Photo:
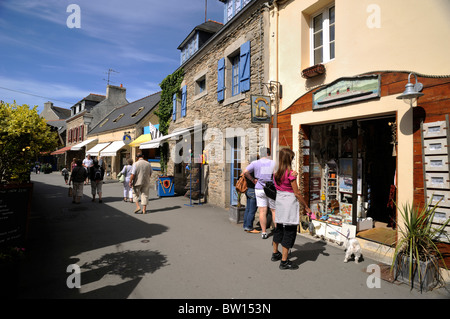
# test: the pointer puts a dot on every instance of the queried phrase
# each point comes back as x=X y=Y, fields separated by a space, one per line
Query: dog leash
x=348 y=231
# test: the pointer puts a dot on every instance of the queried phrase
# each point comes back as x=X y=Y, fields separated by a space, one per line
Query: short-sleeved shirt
x=262 y=169
x=285 y=182
x=88 y=162
x=142 y=170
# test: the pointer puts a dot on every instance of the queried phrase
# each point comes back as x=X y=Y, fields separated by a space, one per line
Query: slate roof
x=59 y=124
x=122 y=116
x=61 y=112
x=209 y=26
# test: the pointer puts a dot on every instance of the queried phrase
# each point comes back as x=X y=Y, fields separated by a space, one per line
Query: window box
x=313 y=71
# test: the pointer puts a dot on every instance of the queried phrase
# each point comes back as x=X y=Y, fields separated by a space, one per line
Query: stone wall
x=233 y=112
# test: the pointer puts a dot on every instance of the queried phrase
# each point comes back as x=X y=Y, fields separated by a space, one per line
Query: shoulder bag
x=241 y=184
x=270 y=190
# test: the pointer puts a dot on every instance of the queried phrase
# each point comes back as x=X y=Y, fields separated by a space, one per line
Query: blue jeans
x=250 y=209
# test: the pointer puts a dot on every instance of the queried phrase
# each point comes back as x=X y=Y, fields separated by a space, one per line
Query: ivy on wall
x=169 y=86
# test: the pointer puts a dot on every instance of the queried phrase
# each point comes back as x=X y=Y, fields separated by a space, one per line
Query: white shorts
x=262 y=200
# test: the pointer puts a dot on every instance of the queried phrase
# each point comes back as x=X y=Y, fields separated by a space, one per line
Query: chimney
x=116 y=94
x=48 y=105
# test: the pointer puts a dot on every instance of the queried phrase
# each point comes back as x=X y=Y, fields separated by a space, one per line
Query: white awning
x=80 y=145
x=97 y=148
x=112 y=149
x=157 y=142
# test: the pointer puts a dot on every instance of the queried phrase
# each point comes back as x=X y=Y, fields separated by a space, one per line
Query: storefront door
x=352 y=171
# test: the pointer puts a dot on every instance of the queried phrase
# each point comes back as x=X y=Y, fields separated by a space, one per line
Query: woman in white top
x=127 y=190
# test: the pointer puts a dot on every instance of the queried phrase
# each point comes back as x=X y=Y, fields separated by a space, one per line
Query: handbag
x=121 y=177
x=270 y=190
x=241 y=184
x=70 y=191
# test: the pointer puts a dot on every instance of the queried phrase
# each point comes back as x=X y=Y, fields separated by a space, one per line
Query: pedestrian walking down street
x=127 y=189
x=287 y=206
x=87 y=163
x=140 y=181
x=78 y=177
x=263 y=171
x=96 y=174
x=73 y=164
x=65 y=174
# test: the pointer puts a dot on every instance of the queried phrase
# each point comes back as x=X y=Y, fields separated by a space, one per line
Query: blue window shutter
x=221 y=80
x=183 y=101
x=244 y=67
x=174 y=103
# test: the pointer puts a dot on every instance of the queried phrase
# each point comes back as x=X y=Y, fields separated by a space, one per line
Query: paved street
x=175 y=251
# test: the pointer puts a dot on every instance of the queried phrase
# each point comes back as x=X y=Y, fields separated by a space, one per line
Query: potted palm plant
x=416 y=255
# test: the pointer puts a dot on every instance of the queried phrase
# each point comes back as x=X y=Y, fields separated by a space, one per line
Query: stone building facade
x=227 y=137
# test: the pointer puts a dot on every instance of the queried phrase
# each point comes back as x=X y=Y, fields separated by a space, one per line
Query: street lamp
x=412 y=91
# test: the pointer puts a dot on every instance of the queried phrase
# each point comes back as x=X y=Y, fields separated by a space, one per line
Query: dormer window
x=189 y=48
x=232 y=7
x=197 y=38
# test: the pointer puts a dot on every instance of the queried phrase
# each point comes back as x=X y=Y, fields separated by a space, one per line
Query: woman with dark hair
x=287 y=207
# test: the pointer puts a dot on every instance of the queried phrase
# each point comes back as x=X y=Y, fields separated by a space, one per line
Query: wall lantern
x=412 y=91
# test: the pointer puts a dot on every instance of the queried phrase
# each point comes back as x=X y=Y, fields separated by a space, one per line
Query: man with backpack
x=96 y=173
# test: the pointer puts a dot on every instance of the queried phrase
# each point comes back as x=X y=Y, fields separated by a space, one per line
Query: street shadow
x=309 y=251
x=130 y=266
x=165 y=209
x=127 y=264
x=59 y=231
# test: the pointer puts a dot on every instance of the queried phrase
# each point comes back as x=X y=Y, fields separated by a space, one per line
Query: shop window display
x=332 y=175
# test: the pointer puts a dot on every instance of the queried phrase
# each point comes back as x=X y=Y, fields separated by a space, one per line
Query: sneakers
x=276 y=256
x=264 y=236
x=287 y=265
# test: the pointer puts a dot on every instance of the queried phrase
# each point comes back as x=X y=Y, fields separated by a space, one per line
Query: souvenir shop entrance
x=352 y=176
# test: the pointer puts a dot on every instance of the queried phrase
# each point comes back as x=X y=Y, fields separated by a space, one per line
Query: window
x=137 y=112
x=233 y=72
x=179 y=101
x=323 y=36
x=200 y=85
x=229 y=8
x=235 y=75
x=104 y=122
x=232 y=8
x=190 y=48
x=81 y=133
x=118 y=118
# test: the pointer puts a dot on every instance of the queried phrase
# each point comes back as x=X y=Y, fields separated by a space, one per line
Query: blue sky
x=40 y=55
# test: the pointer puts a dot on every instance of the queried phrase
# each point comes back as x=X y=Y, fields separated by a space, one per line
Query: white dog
x=352 y=247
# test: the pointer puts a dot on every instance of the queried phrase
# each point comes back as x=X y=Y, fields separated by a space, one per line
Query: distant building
x=53 y=113
x=86 y=113
x=131 y=119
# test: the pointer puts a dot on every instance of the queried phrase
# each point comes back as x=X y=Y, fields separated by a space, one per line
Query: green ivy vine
x=169 y=86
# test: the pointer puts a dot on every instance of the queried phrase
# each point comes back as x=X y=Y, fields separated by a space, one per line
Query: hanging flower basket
x=313 y=71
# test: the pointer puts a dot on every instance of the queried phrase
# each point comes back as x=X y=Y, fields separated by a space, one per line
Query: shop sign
x=347 y=90
x=126 y=138
x=260 y=109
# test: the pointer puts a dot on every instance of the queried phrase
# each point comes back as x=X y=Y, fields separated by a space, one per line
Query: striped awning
x=141 y=139
x=61 y=150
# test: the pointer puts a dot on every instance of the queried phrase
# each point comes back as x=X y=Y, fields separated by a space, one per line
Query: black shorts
x=285 y=235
